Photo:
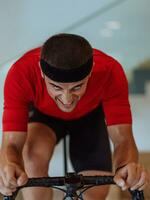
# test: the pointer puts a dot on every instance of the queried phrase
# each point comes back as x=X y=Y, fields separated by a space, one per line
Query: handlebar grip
x=7 y=198
x=137 y=195
x=98 y=180
x=45 y=182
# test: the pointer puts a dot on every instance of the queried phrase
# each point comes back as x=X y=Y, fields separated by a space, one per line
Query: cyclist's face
x=66 y=95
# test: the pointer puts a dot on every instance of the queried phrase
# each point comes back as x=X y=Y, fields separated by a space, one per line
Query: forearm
x=130 y=174
x=12 y=146
x=125 y=150
x=11 y=154
x=12 y=173
x=124 y=153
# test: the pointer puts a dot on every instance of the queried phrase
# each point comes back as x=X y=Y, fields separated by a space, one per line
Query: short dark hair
x=66 y=51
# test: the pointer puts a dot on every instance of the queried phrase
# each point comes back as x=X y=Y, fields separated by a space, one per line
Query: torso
x=33 y=89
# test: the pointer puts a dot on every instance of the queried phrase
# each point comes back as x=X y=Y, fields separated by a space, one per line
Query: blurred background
x=120 y=28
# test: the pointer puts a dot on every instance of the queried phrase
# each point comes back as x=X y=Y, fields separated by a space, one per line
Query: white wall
x=27 y=23
x=141 y=119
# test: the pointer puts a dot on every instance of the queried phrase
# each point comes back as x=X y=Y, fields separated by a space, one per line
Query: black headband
x=66 y=75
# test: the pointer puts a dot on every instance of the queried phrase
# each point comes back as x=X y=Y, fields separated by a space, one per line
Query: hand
x=11 y=176
x=133 y=176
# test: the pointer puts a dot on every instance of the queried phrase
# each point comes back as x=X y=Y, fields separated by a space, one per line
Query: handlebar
x=74 y=182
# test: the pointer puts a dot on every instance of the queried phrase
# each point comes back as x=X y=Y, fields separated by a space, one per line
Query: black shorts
x=89 y=145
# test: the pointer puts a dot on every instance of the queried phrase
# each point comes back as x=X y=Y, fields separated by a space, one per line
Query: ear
x=42 y=74
x=41 y=71
x=91 y=69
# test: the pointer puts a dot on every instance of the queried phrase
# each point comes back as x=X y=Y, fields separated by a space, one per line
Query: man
x=66 y=87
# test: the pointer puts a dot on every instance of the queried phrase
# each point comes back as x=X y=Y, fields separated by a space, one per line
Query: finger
x=125 y=176
x=118 y=179
x=133 y=175
x=141 y=183
x=120 y=183
x=1 y=183
x=22 y=177
x=8 y=177
x=142 y=187
x=134 y=172
x=6 y=191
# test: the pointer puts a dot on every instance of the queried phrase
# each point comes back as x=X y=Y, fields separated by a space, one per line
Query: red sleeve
x=115 y=98
x=17 y=96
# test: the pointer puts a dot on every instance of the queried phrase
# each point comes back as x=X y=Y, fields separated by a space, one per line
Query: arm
x=130 y=173
x=18 y=94
x=123 y=141
x=11 y=162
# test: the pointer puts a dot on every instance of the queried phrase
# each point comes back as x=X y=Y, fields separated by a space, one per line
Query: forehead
x=71 y=84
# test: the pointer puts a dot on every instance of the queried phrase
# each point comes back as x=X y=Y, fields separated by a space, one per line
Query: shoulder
x=103 y=59
x=32 y=53
x=25 y=71
x=27 y=63
x=31 y=56
x=105 y=63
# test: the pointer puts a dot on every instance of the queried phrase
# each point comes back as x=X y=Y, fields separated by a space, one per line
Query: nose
x=67 y=98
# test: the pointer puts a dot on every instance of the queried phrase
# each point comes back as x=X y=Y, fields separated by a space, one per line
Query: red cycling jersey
x=24 y=85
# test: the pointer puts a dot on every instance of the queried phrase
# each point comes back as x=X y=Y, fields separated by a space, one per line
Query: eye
x=76 y=88
x=56 y=88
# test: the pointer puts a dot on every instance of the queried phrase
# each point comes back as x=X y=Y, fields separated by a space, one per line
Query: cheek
x=81 y=92
x=52 y=93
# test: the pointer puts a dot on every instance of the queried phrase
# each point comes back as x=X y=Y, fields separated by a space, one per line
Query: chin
x=66 y=109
